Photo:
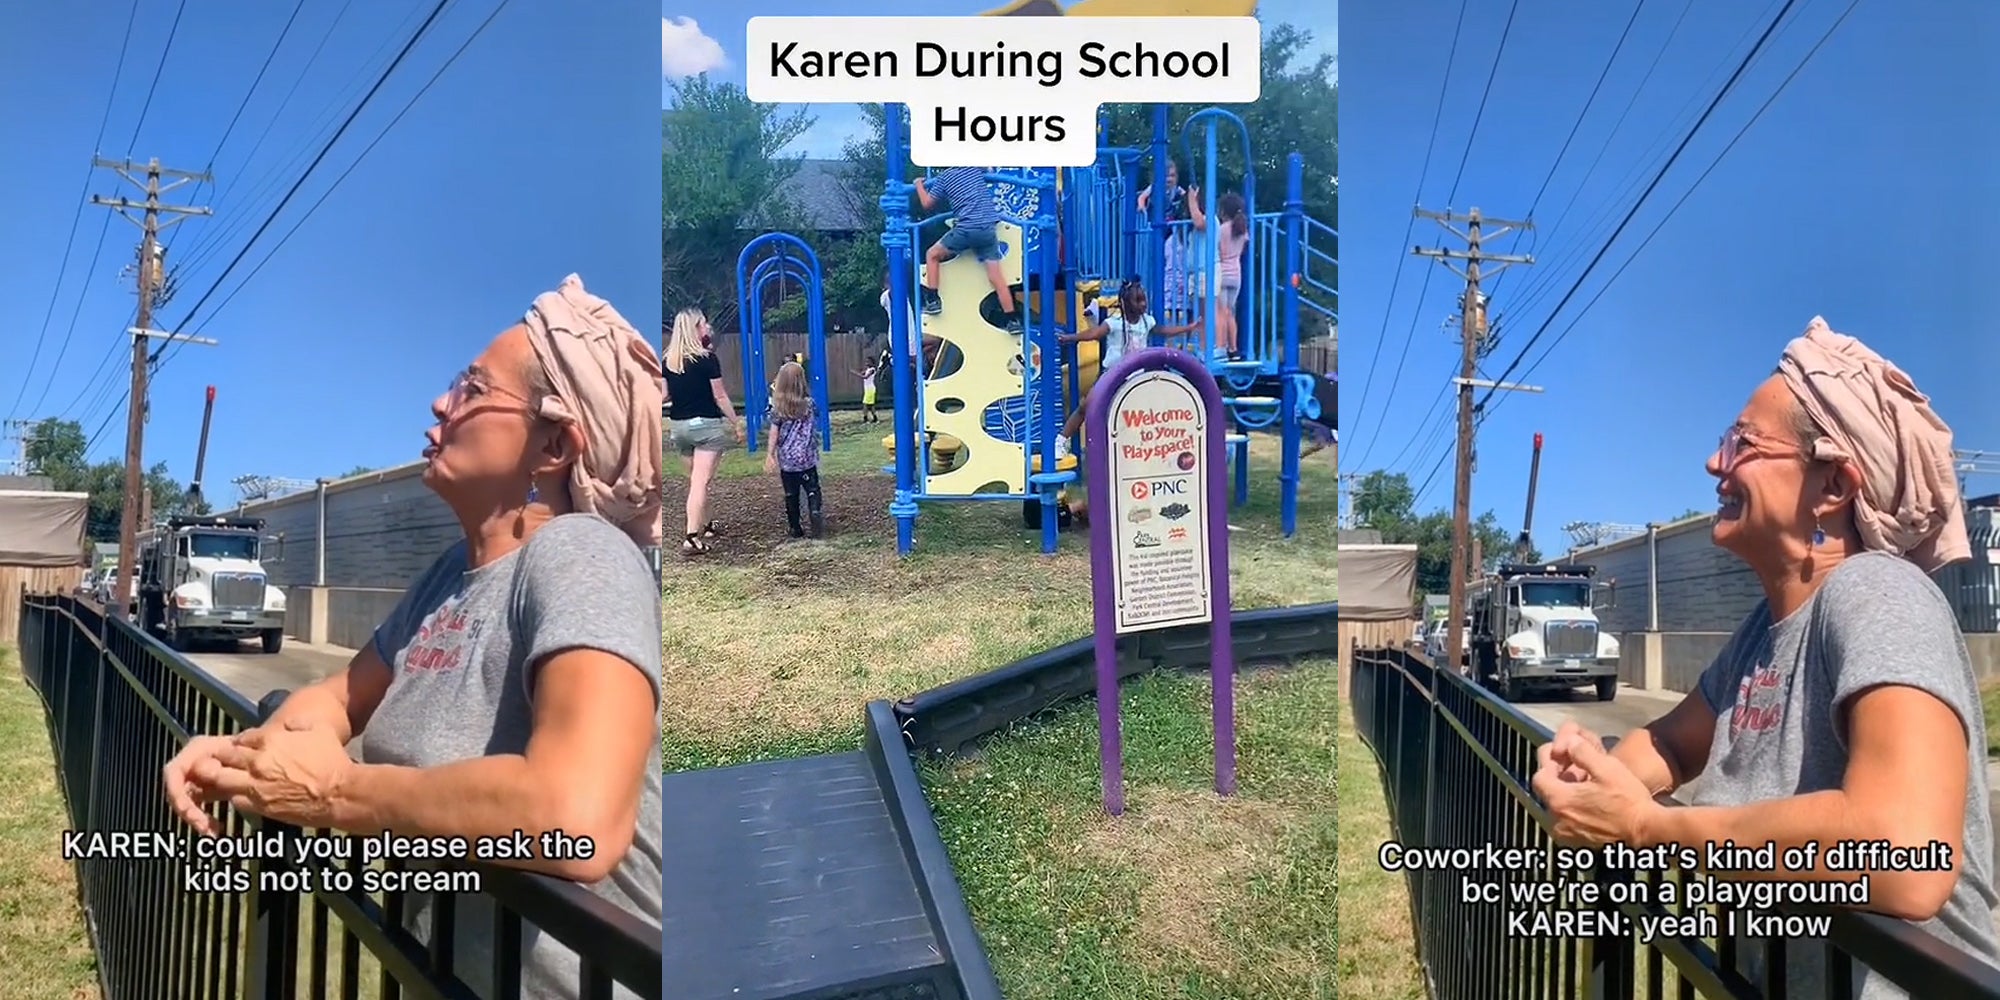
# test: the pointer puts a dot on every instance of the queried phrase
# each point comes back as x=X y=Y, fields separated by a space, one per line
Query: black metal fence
x=1456 y=764
x=120 y=705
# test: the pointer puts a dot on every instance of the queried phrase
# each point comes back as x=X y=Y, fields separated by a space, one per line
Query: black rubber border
x=947 y=719
x=937 y=883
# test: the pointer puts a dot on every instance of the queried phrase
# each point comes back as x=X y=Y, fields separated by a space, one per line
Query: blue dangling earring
x=1819 y=535
x=534 y=493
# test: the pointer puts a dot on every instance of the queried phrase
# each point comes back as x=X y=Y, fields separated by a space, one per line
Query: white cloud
x=685 y=51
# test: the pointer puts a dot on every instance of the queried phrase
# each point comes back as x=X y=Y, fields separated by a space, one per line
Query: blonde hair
x=788 y=397
x=684 y=342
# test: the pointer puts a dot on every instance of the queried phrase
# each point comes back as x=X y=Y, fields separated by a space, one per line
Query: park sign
x=1159 y=546
x=1159 y=481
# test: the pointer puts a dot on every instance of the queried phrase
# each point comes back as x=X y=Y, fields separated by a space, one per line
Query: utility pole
x=152 y=281
x=1472 y=335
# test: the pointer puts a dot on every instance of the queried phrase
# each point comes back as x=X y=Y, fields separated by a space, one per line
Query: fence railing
x=1456 y=765
x=120 y=705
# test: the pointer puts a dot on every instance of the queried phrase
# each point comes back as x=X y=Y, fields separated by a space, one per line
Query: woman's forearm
x=487 y=797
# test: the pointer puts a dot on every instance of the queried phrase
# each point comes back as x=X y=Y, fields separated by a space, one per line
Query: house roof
x=820 y=191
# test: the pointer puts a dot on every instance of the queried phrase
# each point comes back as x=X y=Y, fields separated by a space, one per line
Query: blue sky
x=527 y=161
x=1856 y=196
x=713 y=42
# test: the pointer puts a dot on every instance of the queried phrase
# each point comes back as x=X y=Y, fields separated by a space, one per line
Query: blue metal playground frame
x=1087 y=228
x=790 y=260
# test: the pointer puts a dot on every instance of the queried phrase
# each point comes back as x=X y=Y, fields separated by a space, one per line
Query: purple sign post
x=1159 y=533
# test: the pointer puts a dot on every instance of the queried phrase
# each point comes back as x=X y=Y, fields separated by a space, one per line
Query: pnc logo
x=1169 y=487
x=1140 y=492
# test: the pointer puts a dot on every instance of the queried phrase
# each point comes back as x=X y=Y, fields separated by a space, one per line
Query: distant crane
x=250 y=489
x=1975 y=463
x=1584 y=534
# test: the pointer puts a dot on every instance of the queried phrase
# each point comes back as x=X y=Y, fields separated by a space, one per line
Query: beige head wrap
x=608 y=383
x=1872 y=415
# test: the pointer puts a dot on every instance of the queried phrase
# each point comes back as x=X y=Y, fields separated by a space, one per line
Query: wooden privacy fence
x=844 y=352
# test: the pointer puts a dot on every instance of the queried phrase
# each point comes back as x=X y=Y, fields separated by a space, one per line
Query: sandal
x=694 y=545
x=712 y=530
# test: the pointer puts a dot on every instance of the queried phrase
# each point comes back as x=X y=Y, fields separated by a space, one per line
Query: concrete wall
x=381 y=530
x=339 y=616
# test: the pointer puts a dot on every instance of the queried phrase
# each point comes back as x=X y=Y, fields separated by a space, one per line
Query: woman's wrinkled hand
x=290 y=774
x=184 y=796
x=1593 y=797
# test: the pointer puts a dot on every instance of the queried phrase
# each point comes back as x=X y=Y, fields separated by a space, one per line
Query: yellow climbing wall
x=956 y=404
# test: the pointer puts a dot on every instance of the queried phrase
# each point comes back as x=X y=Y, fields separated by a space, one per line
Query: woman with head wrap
x=1844 y=708
x=515 y=687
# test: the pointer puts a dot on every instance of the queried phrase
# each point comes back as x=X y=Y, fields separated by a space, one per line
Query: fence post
x=273 y=948
x=1612 y=965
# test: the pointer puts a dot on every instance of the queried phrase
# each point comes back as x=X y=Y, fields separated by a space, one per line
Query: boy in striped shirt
x=964 y=190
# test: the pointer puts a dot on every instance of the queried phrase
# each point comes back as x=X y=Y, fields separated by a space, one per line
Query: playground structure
x=1069 y=236
x=790 y=260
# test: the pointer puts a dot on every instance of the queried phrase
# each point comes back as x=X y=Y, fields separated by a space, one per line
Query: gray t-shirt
x=1778 y=691
x=460 y=644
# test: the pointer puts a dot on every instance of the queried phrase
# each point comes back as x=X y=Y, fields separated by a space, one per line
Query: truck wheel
x=1607 y=688
x=274 y=640
x=1511 y=688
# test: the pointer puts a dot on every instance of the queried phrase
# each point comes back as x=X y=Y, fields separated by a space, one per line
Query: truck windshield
x=220 y=546
x=1551 y=595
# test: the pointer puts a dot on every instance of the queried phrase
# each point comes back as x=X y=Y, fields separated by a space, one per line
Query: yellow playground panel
x=965 y=459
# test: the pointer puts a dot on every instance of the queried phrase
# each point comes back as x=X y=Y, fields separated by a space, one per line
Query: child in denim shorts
x=974 y=228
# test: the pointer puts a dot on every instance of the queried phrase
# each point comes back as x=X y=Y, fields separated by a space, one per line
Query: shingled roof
x=820 y=190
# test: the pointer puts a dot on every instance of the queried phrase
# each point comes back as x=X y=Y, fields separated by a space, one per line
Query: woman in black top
x=700 y=419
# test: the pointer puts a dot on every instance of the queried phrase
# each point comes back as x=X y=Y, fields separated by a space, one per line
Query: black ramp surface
x=785 y=879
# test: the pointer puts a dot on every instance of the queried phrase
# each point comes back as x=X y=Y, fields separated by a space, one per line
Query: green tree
x=1385 y=502
x=57 y=450
x=359 y=470
x=723 y=177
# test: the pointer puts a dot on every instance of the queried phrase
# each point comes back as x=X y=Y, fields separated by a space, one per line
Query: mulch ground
x=752 y=513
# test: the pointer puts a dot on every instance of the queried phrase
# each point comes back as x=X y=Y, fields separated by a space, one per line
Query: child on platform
x=794 y=449
x=1127 y=329
x=1230 y=240
x=975 y=228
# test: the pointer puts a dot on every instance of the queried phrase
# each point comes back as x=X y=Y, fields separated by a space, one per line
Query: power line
x=252 y=92
x=1543 y=284
x=159 y=69
x=1382 y=335
x=1657 y=178
x=324 y=195
x=62 y=270
x=324 y=150
x=267 y=181
x=1740 y=133
x=1577 y=125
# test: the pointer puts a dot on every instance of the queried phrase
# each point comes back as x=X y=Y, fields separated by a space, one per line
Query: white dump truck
x=202 y=578
x=1534 y=627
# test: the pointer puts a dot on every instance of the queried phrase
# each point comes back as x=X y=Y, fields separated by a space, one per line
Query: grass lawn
x=1989 y=699
x=773 y=653
x=1378 y=954
x=44 y=951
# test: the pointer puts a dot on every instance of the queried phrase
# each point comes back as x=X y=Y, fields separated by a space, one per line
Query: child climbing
x=1230 y=239
x=794 y=449
x=867 y=376
x=1127 y=329
x=1174 y=210
x=975 y=228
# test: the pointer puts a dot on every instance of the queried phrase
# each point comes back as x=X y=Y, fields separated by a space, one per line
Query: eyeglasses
x=469 y=387
x=1737 y=446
